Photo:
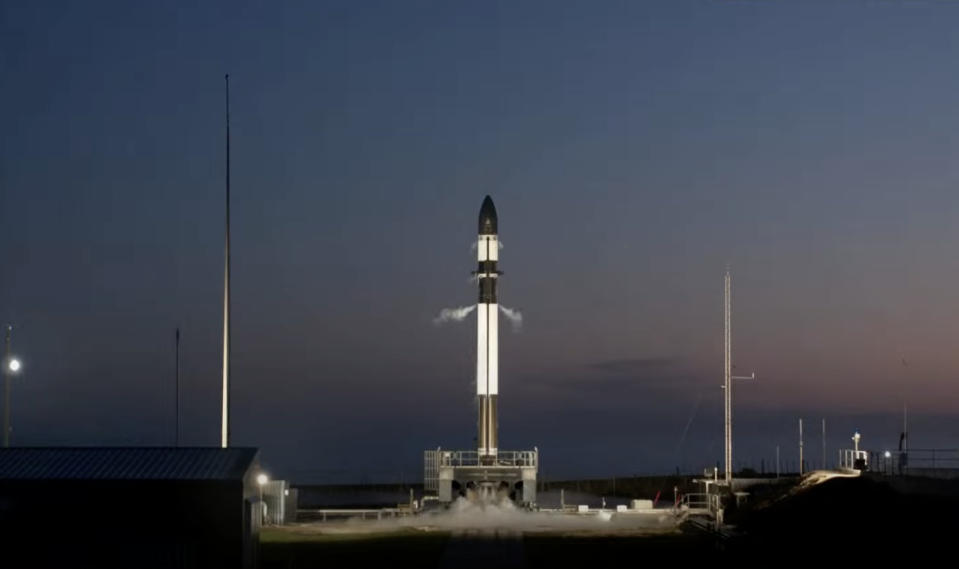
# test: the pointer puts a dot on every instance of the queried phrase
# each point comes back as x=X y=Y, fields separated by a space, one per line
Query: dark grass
x=282 y=549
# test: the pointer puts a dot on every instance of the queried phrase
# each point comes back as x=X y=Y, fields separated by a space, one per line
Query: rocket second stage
x=487 y=330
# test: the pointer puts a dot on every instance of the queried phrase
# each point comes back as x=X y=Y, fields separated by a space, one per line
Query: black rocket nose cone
x=487 y=217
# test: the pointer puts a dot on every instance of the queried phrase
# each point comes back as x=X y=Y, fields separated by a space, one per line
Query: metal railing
x=697 y=501
x=701 y=502
x=521 y=458
x=906 y=462
x=900 y=462
x=325 y=514
x=853 y=459
x=431 y=471
x=433 y=460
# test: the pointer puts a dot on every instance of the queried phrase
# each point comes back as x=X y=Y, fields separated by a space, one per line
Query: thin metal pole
x=225 y=412
x=777 y=461
x=905 y=427
x=6 y=388
x=177 y=394
x=905 y=414
x=727 y=379
x=800 y=446
x=824 y=443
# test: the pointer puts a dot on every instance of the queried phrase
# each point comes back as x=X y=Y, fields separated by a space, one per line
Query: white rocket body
x=487 y=333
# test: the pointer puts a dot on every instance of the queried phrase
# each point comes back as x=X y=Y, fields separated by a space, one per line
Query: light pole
x=11 y=365
x=261 y=480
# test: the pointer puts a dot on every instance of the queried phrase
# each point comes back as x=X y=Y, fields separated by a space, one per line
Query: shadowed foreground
x=282 y=549
x=868 y=519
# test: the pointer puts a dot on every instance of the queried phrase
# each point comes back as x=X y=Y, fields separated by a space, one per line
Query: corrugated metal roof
x=125 y=463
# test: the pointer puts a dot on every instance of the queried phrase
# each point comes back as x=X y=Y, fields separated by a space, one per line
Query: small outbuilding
x=129 y=507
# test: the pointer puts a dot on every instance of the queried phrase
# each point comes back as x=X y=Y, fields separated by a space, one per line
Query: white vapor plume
x=453 y=314
x=514 y=316
x=490 y=519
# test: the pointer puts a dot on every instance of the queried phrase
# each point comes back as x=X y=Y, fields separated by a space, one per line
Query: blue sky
x=632 y=149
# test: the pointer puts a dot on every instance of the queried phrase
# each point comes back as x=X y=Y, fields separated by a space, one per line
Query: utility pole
x=777 y=461
x=728 y=377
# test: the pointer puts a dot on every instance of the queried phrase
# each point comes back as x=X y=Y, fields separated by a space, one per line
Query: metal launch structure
x=486 y=473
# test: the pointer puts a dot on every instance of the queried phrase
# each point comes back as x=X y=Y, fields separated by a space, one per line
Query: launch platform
x=452 y=474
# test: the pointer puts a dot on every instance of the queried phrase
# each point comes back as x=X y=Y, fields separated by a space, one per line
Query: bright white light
x=262 y=479
x=14 y=365
x=888 y=454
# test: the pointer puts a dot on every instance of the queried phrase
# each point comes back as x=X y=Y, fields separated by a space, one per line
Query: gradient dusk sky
x=633 y=149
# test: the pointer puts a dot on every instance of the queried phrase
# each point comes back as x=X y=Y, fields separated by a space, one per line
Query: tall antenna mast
x=176 y=406
x=904 y=437
x=225 y=426
x=728 y=376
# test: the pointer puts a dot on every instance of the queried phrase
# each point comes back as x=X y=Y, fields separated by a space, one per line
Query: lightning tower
x=728 y=378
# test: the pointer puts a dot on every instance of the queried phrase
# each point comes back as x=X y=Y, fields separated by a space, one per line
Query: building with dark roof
x=131 y=507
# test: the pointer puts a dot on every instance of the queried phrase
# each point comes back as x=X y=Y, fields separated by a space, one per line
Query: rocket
x=487 y=329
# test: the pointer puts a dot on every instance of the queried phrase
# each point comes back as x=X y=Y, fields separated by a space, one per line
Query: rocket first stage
x=487 y=329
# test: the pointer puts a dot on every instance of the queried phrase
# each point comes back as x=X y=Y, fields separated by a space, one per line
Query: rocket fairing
x=487 y=329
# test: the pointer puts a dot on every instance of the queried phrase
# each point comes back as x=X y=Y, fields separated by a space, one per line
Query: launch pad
x=452 y=474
